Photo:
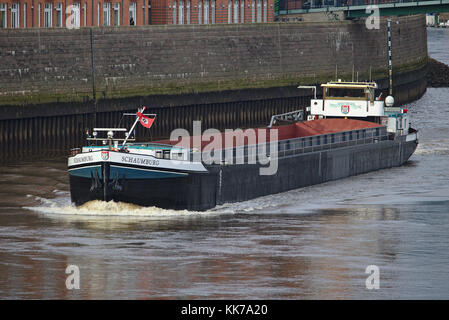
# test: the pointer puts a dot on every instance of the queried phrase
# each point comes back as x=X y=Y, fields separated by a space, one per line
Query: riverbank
x=58 y=65
x=437 y=74
x=227 y=76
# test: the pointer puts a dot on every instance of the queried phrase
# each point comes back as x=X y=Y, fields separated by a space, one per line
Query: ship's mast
x=390 y=58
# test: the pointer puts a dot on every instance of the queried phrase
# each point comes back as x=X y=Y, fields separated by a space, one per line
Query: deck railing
x=290 y=147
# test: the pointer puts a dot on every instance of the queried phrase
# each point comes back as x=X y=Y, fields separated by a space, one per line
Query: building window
x=242 y=11
x=213 y=11
x=206 y=11
x=253 y=11
x=106 y=14
x=15 y=22
x=38 y=15
x=149 y=11
x=47 y=15
x=265 y=11
x=174 y=12
x=181 y=12
x=199 y=12
x=188 y=12
x=259 y=10
x=75 y=15
x=230 y=11
x=3 y=19
x=116 y=14
x=24 y=15
x=59 y=14
x=84 y=15
x=98 y=14
x=236 y=11
x=132 y=13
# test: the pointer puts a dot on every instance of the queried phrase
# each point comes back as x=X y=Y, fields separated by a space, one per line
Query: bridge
x=361 y=8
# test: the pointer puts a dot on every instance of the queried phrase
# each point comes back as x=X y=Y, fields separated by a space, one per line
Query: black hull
x=192 y=192
x=233 y=183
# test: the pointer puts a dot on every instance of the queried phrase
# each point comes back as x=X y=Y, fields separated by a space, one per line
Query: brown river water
x=310 y=243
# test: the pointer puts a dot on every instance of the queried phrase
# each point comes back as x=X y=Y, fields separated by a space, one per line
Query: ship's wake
x=61 y=205
x=434 y=147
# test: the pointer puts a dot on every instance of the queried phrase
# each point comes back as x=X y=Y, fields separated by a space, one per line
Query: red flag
x=144 y=120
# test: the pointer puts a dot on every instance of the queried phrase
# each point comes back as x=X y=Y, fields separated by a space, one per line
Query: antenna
x=390 y=63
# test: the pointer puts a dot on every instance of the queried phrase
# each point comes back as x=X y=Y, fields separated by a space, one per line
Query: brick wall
x=43 y=65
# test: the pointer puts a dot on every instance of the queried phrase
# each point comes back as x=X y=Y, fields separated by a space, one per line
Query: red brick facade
x=86 y=13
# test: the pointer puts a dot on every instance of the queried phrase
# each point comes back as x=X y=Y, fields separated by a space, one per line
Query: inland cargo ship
x=349 y=131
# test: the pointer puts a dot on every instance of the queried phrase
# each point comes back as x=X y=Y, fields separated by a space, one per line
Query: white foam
x=63 y=207
x=438 y=147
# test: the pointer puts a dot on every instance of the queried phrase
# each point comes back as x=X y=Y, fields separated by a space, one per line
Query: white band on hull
x=134 y=159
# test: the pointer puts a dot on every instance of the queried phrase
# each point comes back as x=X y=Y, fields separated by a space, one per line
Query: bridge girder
x=399 y=11
x=385 y=9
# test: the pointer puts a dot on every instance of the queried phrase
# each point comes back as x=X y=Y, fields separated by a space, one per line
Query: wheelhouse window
x=344 y=93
